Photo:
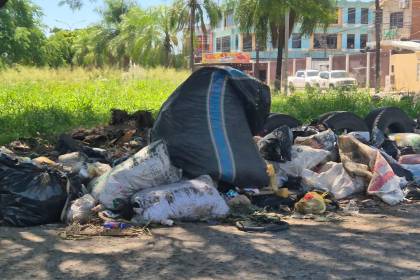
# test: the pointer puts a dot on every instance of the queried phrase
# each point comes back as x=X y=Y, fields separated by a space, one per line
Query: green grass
x=46 y=102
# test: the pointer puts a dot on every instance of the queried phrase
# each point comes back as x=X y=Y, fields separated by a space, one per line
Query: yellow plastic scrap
x=311 y=203
x=281 y=192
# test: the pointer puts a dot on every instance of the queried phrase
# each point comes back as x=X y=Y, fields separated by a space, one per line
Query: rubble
x=250 y=168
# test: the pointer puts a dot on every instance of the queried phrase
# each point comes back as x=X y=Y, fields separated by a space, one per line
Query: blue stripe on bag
x=217 y=127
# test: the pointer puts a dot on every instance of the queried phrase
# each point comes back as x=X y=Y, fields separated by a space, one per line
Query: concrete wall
x=391 y=6
x=406 y=71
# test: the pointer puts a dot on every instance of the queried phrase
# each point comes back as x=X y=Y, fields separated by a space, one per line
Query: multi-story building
x=350 y=34
x=400 y=19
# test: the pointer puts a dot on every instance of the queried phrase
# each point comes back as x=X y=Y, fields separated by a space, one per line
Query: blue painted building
x=354 y=28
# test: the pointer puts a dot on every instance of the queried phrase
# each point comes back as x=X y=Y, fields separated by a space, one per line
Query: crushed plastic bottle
x=351 y=208
x=116 y=225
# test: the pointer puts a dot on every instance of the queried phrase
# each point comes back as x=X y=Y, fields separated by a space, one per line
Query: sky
x=64 y=17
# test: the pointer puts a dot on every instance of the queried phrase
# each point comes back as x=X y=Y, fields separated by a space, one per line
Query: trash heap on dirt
x=214 y=152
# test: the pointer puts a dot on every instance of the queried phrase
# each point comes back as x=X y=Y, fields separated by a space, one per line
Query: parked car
x=302 y=79
x=333 y=79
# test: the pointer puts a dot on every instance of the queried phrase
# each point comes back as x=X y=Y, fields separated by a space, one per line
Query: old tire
x=340 y=121
x=275 y=120
x=390 y=120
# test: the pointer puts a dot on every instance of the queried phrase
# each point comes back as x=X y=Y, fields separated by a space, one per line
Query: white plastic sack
x=191 y=200
x=148 y=168
x=385 y=184
x=81 y=210
x=334 y=179
x=303 y=157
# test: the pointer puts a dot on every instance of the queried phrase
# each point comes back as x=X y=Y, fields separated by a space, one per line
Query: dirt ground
x=376 y=244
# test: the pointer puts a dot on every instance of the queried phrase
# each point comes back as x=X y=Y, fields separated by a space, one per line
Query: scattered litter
x=30 y=195
x=333 y=178
x=81 y=211
x=311 y=203
x=407 y=140
x=303 y=157
x=276 y=146
x=148 y=168
x=351 y=208
x=186 y=200
x=325 y=140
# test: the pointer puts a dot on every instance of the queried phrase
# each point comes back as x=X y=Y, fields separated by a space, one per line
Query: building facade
x=349 y=35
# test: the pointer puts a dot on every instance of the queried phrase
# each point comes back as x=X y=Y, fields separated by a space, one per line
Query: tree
x=148 y=36
x=59 y=48
x=22 y=39
x=267 y=16
x=191 y=13
x=251 y=17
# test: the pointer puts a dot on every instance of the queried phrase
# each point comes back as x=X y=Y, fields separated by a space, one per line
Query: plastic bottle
x=351 y=208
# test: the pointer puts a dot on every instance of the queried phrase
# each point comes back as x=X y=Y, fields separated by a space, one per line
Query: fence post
x=368 y=70
x=330 y=63
x=347 y=63
x=308 y=63
x=294 y=66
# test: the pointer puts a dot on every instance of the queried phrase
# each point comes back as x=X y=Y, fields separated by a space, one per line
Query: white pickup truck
x=333 y=79
x=302 y=79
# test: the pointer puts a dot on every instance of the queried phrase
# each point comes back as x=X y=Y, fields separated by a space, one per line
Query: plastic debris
x=303 y=157
x=333 y=178
x=187 y=200
x=361 y=160
x=80 y=210
x=276 y=146
x=325 y=140
x=311 y=203
x=148 y=168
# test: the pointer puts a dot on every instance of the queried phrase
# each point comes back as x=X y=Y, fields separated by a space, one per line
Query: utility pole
x=378 y=16
x=286 y=51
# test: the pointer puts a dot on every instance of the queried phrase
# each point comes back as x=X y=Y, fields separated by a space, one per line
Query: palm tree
x=264 y=16
x=251 y=17
x=147 y=36
x=190 y=13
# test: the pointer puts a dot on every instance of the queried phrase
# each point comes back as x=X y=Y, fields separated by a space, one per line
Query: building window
x=351 y=16
x=350 y=41
x=218 y=44
x=324 y=41
x=365 y=16
x=397 y=20
x=363 y=40
x=226 y=44
x=296 y=41
x=247 y=43
x=237 y=41
x=262 y=47
x=229 y=20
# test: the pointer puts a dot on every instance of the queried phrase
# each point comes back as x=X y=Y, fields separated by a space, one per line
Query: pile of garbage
x=213 y=151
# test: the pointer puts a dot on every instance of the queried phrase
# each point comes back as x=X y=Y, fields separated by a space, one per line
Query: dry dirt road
x=381 y=244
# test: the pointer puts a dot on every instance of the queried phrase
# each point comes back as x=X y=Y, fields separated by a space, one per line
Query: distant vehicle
x=333 y=79
x=302 y=79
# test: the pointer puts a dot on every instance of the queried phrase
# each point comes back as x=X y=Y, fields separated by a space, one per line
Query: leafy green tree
x=22 y=39
x=148 y=36
x=267 y=16
x=59 y=48
x=188 y=14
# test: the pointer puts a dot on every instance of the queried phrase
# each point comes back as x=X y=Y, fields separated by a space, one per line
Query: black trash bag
x=304 y=131
x=30 y=195
x=208 y=124
x=391 y=148
x=277 y=146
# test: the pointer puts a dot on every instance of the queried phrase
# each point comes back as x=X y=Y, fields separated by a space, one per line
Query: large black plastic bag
x=29 y=195
x=208 y=124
